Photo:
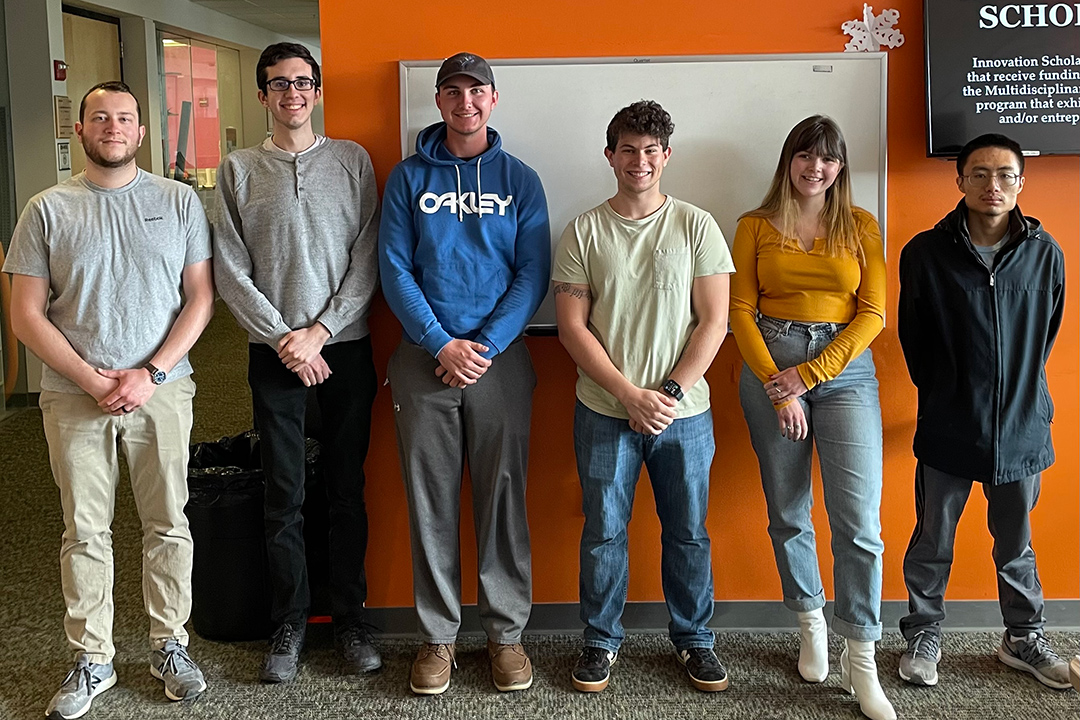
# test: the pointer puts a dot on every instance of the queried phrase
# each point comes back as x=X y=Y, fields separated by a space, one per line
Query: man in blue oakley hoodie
x=465 y=258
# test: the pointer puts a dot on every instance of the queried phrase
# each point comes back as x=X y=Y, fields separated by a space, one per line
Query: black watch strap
x=673 y=389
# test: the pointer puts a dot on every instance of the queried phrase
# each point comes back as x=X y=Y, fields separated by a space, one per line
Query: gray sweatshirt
x=295 y=239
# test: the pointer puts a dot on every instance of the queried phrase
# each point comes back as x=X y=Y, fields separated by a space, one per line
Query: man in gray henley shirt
x=295 y=260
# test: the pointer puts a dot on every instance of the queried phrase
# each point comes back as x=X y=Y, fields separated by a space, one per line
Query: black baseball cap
x=464 y=63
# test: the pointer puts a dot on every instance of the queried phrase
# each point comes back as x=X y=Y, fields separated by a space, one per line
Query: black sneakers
x=356 y=645
x=283 y=658
x=704 y=668
x=593 y=669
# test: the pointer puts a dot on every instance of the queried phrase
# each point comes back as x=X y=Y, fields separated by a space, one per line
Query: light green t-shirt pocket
x=671 y=268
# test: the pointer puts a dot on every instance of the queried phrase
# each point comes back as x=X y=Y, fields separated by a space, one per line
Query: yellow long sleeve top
x=792 y=284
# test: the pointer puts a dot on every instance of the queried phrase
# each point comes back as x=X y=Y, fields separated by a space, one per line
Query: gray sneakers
x=84 y=682
x=182 y=677
x=1032 y=654
x=918 y=665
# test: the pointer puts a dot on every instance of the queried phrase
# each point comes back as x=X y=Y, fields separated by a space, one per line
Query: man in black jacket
x=981 y=301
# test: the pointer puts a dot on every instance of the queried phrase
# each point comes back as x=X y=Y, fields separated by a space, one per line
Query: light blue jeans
x=844 y=418
x=609 y=459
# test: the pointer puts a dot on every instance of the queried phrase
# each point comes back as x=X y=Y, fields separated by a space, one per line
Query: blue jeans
x=609 y=459
x=844 y=418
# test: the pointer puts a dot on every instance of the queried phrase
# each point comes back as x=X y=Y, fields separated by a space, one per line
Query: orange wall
x=360 y=54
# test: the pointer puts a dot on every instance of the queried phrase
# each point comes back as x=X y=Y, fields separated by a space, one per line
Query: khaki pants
x=83 y=453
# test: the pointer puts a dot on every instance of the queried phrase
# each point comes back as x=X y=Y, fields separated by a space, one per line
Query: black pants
x=939 y=501
x=345 y=399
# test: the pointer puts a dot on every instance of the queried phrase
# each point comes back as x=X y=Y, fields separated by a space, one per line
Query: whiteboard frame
x=404 y=66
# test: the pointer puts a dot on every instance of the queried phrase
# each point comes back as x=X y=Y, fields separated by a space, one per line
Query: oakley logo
x=431 y=203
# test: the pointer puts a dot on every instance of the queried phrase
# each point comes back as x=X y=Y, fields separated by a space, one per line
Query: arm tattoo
x=574 y=292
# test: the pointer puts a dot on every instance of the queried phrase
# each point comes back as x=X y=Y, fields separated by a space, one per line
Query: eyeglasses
x=281 y=84
x=981 y=179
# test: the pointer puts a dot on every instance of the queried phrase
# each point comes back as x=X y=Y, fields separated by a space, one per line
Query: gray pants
x=438 y=428
x=939 y=502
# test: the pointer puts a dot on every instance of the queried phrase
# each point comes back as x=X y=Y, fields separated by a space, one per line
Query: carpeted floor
x=647 y=681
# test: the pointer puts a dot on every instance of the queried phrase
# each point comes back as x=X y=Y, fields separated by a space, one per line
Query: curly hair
x=645 y=117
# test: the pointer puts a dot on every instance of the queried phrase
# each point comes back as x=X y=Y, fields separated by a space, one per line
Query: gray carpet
x=647 y=682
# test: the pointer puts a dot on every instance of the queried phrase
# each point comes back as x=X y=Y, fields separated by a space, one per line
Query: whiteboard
x=731 y=116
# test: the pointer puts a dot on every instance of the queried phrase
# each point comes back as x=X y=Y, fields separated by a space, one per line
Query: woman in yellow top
x=806 y=300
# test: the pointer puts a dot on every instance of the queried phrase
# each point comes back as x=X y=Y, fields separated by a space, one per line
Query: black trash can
x=230 y=576
x=230 y=584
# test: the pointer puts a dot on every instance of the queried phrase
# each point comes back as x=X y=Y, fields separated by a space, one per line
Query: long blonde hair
x=820 y=135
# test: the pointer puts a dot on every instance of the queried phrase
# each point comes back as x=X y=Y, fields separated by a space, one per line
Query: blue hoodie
x=464 y=245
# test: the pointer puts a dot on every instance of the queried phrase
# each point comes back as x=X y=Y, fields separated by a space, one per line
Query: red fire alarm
x=59 y=70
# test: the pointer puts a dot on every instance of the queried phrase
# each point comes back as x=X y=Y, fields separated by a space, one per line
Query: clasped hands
x=301 y=352
x=120 y=392
x=651 y=411
x=787 y=386
x=460 y=363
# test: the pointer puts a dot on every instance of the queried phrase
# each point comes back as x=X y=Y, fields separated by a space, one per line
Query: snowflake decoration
x=873 y=31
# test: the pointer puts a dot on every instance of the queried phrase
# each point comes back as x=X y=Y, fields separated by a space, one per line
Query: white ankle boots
x=858 y=669
x=859 y=677
x=813 y=646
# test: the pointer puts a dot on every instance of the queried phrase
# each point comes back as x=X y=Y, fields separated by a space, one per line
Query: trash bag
x=230 y=582
x=230 y=575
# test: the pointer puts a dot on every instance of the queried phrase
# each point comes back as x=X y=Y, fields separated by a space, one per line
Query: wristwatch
x=673 y=389
x=156 y=376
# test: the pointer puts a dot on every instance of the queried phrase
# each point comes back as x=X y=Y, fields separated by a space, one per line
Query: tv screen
x=1002 y=67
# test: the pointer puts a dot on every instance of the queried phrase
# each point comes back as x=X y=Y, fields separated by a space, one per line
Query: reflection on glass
x=176 y=82
x=203 y=117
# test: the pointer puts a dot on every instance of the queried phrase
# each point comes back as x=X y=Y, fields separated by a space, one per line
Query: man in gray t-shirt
x=111 y=287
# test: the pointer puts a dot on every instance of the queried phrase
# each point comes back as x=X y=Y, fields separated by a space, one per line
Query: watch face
x=672 y=388
x=158 y=378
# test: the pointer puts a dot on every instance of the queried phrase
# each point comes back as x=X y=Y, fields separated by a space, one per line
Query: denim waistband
x=810 y=329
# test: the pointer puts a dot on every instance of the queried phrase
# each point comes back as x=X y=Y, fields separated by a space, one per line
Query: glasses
x=281 y=84
x=981 y=179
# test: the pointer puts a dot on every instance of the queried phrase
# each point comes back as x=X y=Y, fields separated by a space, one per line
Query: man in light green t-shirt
x=641 y=294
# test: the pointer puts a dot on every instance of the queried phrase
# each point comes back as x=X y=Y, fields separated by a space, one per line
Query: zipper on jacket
x=995 y=432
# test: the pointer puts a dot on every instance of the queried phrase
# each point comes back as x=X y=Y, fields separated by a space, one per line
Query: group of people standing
x=113 y=285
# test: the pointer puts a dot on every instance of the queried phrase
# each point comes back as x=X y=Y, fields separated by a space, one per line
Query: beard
x=96 y=157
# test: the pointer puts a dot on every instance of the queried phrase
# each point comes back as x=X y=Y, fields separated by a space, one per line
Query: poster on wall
x=1002 y=67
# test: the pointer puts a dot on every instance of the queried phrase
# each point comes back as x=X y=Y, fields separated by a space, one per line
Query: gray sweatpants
x=939 y=501
x=438 y=428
